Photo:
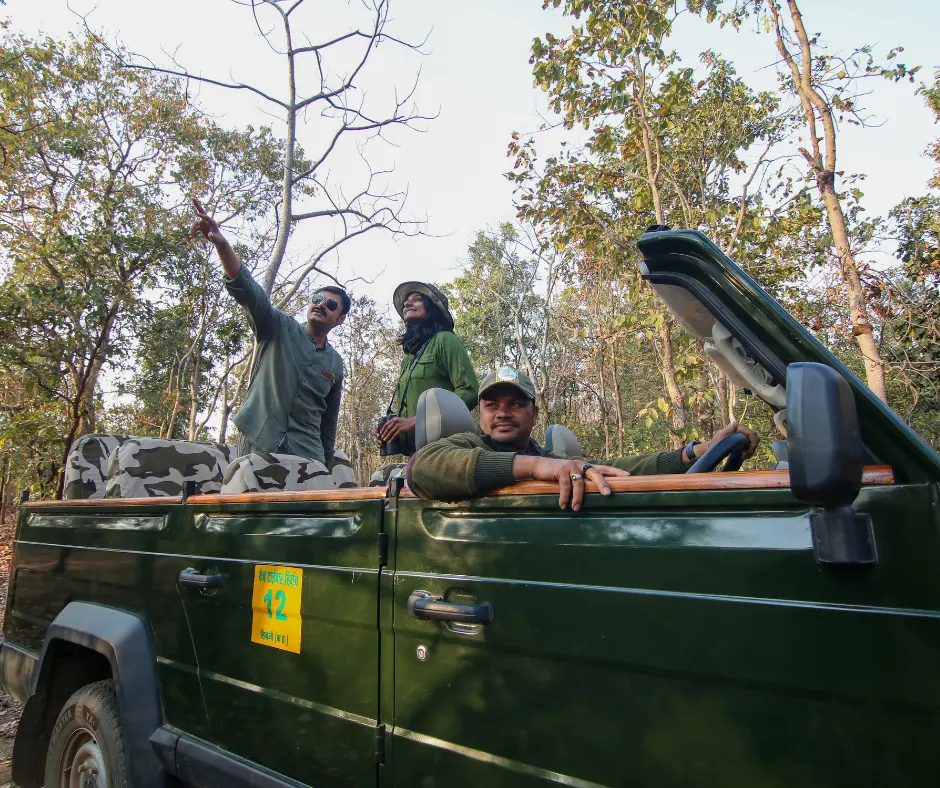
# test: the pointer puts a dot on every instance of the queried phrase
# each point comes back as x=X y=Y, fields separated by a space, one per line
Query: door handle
x=423 y=605
x=190 y=577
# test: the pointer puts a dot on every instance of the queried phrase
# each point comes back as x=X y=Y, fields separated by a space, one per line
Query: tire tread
x=102 y=694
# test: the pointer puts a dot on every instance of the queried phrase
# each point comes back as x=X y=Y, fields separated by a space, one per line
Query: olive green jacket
x=471 y=464
x=444 y=364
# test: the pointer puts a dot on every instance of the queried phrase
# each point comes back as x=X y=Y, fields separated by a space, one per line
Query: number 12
x=281 y=597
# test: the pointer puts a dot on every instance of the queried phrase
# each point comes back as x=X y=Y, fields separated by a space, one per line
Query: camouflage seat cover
x=342 y=471
x=381 y=476
x=86 y=469
x=153 y=467
x=264 y=472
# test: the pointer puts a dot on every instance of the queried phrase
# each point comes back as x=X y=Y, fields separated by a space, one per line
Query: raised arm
x=239 y=283
x=209 y=227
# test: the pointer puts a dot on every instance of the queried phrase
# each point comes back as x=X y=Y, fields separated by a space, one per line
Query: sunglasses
x=329 y=303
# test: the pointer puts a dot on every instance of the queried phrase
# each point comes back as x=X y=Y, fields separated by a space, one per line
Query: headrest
x=151 y=467
x=441 y=413
x=86 y=469
x=342 y=470
x=561 y=442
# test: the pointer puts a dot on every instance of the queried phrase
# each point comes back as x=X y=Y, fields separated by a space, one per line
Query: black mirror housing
x=825 y=447
x=826 y=462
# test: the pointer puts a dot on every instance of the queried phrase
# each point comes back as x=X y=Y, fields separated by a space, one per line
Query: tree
x=88 y=150
x=826 y=87
x=371 y=356
x=196 y=324
x=504 y=304
x=346 y=115
x=664 y=148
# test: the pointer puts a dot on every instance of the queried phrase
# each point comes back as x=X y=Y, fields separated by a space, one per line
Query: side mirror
x=826 y=456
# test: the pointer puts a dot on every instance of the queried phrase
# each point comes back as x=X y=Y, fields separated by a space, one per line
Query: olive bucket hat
x=436 y=296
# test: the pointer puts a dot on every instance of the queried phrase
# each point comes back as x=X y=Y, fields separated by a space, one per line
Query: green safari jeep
x=774 y=628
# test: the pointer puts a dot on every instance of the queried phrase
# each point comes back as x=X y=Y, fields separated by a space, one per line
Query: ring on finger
x=576 y=476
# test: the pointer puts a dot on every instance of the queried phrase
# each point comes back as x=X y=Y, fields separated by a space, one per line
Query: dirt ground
x=9 y=709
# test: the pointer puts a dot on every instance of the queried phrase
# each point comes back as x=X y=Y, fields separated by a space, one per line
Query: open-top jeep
x=771 y=628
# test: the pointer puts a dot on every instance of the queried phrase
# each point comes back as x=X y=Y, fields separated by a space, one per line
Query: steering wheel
x=731 y=446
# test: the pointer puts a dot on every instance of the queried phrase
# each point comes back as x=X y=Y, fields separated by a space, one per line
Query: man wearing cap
x=433 y=358
x=471 y=464
x=292 y=405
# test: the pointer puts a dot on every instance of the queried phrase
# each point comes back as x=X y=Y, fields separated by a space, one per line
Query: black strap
x=401 y=402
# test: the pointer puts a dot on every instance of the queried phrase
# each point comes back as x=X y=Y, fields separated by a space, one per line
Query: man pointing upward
x=292 y=404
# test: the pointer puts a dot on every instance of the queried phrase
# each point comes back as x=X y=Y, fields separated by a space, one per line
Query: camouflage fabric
x=262 y=472
x=393 y=470
x=342 y=471
x=152 y=467
x=228 y=451
x=86 y=469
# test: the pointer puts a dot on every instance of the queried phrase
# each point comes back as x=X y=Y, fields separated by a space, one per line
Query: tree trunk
x=677 y=406
x=723 y=396
x=815 y=107
x=195 y=380
x=861 y=325
x=652 y=168
x=4 y=481
x=224 y=425
x=287 y=179
x=617 y=396
x=602 y=388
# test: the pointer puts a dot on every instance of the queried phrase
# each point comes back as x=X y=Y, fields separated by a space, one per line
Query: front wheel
x=86 y=749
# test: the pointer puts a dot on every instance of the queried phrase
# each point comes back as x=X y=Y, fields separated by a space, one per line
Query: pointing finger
x=199 y=209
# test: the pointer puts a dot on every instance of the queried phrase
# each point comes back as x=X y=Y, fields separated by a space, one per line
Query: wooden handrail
x=285 y=496
x=747 y=480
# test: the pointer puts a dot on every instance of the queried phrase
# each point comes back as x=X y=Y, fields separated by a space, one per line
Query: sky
x=476 y=78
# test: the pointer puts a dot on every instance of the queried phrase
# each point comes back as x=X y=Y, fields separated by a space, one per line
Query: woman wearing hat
x=434 y=358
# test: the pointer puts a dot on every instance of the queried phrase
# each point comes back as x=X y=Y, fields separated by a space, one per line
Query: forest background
x=110 y=320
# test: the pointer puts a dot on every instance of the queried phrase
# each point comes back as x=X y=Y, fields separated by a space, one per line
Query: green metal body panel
x=312 y=715
x=685 y=638
x=124 y=557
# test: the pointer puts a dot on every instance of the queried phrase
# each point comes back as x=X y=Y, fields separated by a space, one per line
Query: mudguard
x=124 y=640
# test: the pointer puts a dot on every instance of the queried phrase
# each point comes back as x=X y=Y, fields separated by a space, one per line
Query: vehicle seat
x=153 y=467
x=86 y=469
x=342 y=471
x=780 y=450
x=263 y=472
x=561 y=441
x=441 y=413
x=393 y=470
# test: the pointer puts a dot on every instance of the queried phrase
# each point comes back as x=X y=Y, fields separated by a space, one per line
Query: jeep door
x=288 y=642
x=678 y=633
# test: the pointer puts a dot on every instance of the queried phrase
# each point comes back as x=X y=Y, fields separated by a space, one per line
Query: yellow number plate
x=275 y=607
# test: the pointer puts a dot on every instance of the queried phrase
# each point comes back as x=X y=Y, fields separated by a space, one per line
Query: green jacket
x=292 y=404
x=444 y=364
x=470 y=464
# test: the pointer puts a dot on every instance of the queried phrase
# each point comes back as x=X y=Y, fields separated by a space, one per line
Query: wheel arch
x=87 y=643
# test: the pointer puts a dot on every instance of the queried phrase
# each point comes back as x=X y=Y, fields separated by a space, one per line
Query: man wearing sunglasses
x=292 y=404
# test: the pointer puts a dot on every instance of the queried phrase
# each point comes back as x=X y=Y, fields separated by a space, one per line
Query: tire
x=86 y=749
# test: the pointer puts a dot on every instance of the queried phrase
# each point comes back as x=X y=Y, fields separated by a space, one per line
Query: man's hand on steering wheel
x=729 y=429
